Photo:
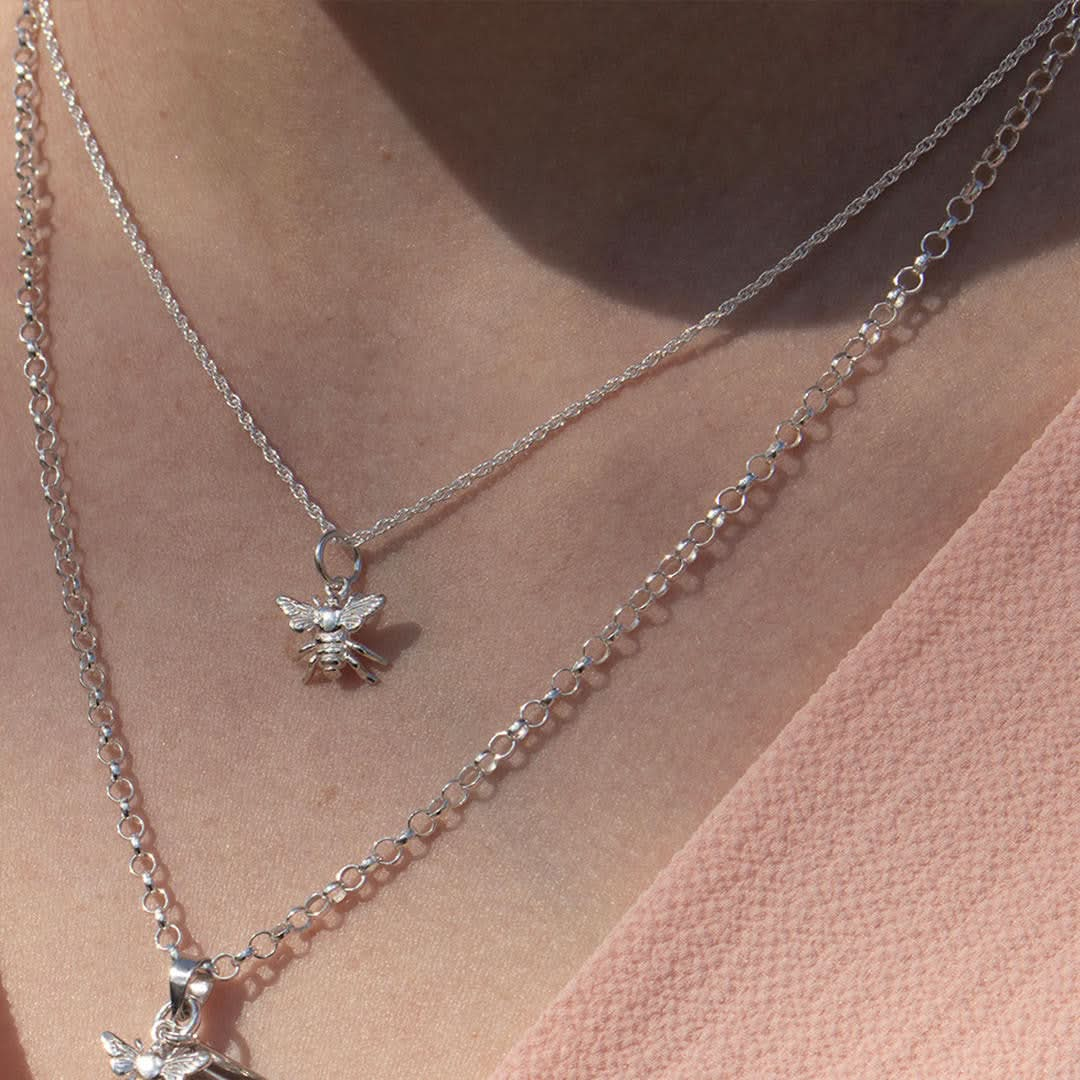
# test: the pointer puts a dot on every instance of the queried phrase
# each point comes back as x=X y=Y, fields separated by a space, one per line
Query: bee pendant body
x=186 y=1060
x=331 y=650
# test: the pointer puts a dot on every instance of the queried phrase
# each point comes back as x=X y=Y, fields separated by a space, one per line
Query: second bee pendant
x=174 y=1051
x=330 y=649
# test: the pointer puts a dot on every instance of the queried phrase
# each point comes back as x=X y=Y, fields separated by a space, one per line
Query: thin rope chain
x=570 y=412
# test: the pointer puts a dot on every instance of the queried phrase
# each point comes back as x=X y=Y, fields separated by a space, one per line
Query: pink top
x=891 y=890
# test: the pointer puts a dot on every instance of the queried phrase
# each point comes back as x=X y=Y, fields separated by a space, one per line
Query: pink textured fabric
x=891 y=890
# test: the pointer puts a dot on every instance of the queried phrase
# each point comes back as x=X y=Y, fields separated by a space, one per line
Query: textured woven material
x=892 y=889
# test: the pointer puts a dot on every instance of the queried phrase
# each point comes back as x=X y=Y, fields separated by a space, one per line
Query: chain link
x=569 y=412
x=566 y=682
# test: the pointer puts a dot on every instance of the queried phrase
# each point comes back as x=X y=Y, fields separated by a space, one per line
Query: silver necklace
x=331 y=621
x=174 y=1050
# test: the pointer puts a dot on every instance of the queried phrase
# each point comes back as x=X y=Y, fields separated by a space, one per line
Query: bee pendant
x=165 y=1061
x=331 y=650
x=174 y=1052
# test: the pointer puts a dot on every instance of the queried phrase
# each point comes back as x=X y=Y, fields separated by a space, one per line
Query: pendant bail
x=190 y=981
x=335 y=536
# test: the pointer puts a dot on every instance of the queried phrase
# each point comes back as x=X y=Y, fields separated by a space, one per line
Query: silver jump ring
x=335 y=536
x=177 y=1028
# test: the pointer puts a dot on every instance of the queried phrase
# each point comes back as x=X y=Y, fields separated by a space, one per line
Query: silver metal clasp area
x=341 y=583
x=190 y=983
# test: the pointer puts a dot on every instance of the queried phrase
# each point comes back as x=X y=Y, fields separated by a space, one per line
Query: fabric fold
x=891 y=889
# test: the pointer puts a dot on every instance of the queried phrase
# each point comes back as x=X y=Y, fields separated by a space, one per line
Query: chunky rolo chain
x=30 y=297
x=569 y=412
x=566 y=682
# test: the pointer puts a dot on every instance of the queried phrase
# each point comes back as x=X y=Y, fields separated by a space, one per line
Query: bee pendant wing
x=301 y=616
x=358 y=609
x=123 y=1055
x=183 y=1065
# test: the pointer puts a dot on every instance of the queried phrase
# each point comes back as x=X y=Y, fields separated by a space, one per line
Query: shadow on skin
x=654 y=152
x=665 y=154
x=13 y=1064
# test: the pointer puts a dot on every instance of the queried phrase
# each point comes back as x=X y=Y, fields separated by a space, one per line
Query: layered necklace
x=174 y=1050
